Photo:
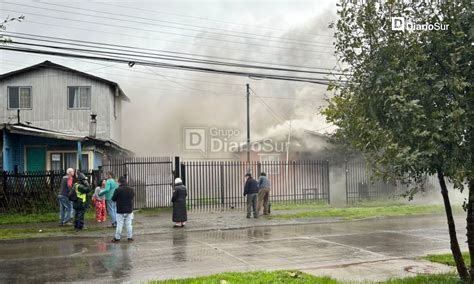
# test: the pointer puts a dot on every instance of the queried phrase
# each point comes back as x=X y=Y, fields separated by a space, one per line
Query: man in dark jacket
x=124 y=195
x=251 y=191
x=79 y=198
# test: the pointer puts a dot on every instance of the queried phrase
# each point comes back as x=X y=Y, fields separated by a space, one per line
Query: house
x=303 y=145
x=53 y=117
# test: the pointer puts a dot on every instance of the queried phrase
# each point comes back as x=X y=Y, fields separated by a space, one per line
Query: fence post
x=176 y=167
x=294 y=179
x=5 y=189
x=347 y=186
x=327 y=179
x=222 y=182
x=51 y=180
x=183 y=173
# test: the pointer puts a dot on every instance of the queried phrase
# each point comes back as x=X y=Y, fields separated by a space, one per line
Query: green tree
x=408 y=103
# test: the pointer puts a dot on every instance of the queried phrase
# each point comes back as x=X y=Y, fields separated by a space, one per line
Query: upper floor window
x=79 y=97
x=19 y=97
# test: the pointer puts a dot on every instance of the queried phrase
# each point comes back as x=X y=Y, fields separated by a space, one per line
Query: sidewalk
x=160 y=223
x=380 y=270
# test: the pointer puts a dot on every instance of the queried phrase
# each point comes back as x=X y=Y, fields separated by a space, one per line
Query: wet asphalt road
x=183 y=254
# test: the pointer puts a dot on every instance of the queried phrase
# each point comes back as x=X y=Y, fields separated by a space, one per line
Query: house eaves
x=23 y=129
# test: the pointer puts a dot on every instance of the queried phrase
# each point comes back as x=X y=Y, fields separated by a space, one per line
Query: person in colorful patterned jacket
x=99 y=203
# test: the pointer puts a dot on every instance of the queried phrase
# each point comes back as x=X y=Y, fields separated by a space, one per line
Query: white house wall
x=50 y=108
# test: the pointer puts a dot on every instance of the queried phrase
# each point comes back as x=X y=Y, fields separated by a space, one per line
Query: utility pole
x=248 y=125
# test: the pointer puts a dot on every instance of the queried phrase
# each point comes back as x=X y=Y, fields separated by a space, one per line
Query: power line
x=289 y=40
x=149 y=79
x=272 y=112
x=169 y=33
x=282 y=121
x=172 y=41
x=200 y=92
x=174 y=90
x=173 y=66
x=101 y=44
x=167 y=57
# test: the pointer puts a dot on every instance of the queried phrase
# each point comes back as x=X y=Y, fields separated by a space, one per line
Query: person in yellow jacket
x=78 y=196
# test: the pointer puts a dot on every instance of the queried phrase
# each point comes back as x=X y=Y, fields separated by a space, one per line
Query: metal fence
x=361 y=185
x=150 y=177
x=212 y=184
x=28 y=192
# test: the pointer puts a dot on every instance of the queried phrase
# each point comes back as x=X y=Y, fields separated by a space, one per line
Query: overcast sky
x=163 y=101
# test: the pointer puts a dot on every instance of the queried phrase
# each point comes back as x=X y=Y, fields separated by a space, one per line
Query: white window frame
x=79 y=88
x=89 y=154
x=19 y=99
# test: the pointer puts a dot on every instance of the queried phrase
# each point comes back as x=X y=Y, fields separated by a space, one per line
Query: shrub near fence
x=31 y=192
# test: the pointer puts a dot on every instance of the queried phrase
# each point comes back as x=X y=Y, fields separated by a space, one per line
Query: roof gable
x=48 y=64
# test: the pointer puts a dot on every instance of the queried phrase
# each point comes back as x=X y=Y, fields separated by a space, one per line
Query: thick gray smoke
x=155 y=118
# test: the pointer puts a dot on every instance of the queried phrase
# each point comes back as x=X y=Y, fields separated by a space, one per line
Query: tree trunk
x=460 y=265
x=470 y=226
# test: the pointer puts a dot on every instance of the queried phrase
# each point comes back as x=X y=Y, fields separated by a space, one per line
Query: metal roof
x=23 y=129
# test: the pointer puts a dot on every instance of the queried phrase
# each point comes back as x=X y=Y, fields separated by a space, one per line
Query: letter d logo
x=398 y=23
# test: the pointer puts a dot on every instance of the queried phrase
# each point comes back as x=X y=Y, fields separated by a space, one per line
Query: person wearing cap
x=123 y=196
x=251 y=191
x=180 y=215
x=79 y=198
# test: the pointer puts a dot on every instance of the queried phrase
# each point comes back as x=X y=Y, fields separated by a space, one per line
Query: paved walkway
x=361 y=250
x=157 y=223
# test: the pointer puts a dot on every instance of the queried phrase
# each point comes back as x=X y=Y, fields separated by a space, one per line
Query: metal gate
x=150 y=177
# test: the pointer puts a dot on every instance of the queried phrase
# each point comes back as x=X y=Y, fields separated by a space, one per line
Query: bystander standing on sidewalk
x=263 y=194
x=180 y=214
x=124 y=197
x=110 y=187
x=65 y=205
x=251 y=191
x=99 y=203
x=81 y=189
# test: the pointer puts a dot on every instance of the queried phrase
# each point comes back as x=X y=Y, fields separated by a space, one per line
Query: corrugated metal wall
x=50 y=109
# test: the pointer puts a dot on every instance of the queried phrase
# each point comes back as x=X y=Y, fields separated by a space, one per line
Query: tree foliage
x=408 y=101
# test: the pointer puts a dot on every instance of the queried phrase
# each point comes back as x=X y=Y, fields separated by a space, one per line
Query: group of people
x=115 y=199
x=111 y=198
x=258 y=193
